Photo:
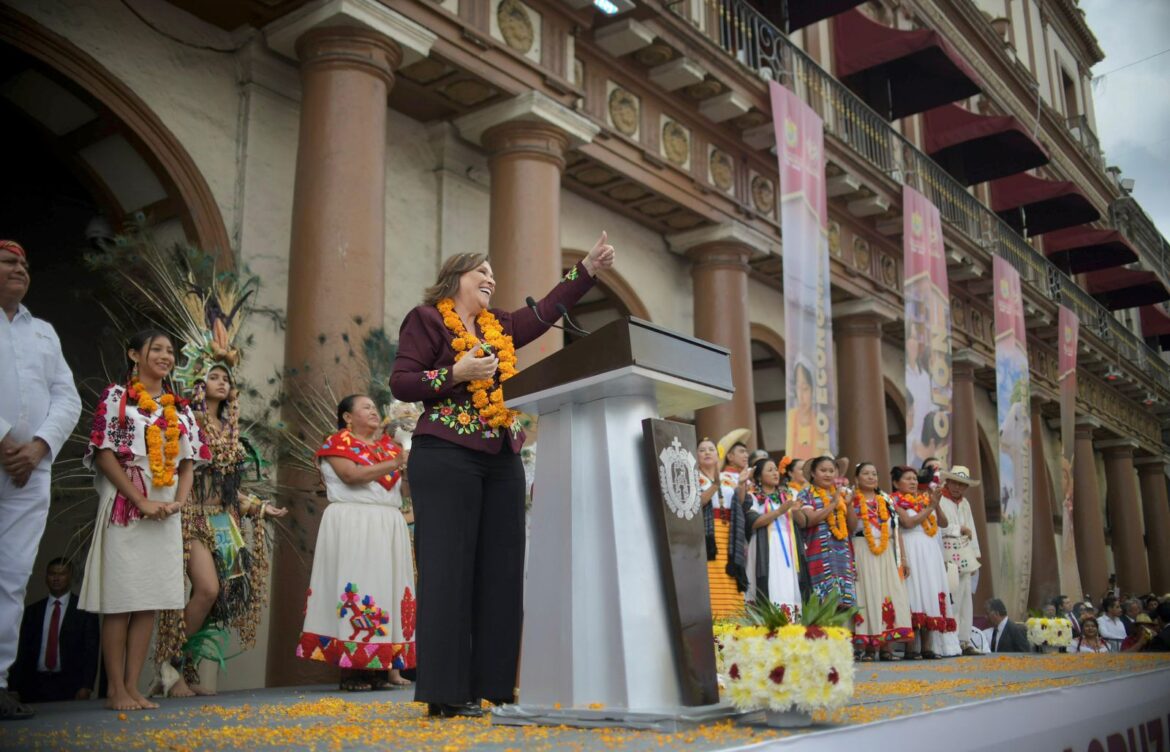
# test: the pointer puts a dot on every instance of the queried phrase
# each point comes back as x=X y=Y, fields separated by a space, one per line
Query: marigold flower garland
x=917 y=503
x=838 y=524
x=883 y=515
x=490 y=405
x=162 y=455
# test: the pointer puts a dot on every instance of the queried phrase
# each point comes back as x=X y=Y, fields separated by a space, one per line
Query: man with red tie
x=58 y=654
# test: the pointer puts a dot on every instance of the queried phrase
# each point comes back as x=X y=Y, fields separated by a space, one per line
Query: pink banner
x=1012 y=398
x=1070 y=574
x=928 y=332
x=808 y=327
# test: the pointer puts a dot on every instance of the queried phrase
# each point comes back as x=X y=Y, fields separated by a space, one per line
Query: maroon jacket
x=422 y=369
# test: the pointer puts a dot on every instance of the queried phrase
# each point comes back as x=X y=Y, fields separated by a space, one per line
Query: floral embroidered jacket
x=422 y=369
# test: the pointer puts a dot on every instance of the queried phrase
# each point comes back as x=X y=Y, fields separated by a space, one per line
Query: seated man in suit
x=1006 y=635
x=58 y=654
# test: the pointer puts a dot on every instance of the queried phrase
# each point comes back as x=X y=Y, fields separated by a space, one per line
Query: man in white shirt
x=1111 y=627
x=39 y=408
x=960 y=540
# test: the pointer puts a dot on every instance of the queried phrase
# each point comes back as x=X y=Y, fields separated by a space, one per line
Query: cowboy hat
x=730 y=439
x=959 y=473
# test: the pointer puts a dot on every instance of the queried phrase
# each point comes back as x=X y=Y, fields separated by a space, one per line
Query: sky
x=1132 y=105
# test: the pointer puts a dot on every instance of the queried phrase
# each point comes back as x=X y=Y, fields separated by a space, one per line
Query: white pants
x=962 y=598
x=23 y=512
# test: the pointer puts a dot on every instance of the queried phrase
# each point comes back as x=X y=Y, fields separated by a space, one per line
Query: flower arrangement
x=401 y=420
x=778 y=661
x=1044 y=632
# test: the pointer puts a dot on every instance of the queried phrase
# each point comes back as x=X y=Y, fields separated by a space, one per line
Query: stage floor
x=320 y=718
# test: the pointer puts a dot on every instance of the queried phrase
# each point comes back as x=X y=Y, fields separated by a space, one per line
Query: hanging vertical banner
x=928 y=332
x=1015 y=440
x=1069 y=324
x=808 y=326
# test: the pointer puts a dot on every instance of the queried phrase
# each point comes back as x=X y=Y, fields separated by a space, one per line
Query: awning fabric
x=1087 y=249
x=1121 y=288
x=1038 y=206
x=803 y=13
x=976 y=148
x=1155 y=321
x=899 y=73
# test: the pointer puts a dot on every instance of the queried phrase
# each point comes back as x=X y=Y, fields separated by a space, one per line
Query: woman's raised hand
x=601 y=257
x=471 y=368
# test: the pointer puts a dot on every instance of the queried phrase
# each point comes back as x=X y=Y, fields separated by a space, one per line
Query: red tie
x=54 y=630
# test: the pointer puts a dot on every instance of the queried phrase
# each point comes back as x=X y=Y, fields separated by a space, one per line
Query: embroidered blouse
x=125 y=434
x=347 y=446
x=422 y=369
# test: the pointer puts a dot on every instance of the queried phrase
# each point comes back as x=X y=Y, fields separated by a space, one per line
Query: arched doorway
x=768 y=387
x=989 y=464
x=895 y=423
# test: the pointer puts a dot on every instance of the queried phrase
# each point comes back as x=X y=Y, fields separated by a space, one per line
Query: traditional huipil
x=931 y=607
x=361 y=606
x=136 y=564
x=775 y=554
x=882 y=602
x=827 y=548
x=724 y=525
x=959 y=515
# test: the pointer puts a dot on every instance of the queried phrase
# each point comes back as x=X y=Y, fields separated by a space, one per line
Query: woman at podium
x=454 y=354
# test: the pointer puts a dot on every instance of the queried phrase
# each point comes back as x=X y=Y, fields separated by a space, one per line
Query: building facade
x=342 y=149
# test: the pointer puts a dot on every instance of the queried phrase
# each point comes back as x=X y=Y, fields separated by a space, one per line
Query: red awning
x=803 y=13
x=1087 y=249
x=1038 y=205
x=975 y=148
x=1155 y=321
x=899 y=73
x=1122 y=288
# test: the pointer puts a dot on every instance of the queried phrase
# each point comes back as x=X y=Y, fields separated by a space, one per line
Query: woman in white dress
x=361 y=606
x=932 y=613
x=144 y=444
x=1090 y=640
x=775 y=550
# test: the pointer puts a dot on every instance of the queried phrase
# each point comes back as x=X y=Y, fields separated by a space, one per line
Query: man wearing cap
x=39 y=408
x=961 y=547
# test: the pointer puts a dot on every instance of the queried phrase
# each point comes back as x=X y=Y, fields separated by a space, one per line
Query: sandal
x=867 y=658
x=887 y=656
x=930 y=655
x=914 y=656
x=12 y=709
x=355 y=684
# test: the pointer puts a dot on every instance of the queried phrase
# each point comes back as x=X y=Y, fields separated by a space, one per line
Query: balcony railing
x=1079 y=127
x=744 y=34
x=1127 y=215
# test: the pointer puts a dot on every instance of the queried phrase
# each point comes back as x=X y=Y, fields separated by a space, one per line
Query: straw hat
x=961 y=474
x=730 y=439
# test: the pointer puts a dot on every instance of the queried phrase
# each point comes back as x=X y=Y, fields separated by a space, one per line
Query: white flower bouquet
x=1055 y=633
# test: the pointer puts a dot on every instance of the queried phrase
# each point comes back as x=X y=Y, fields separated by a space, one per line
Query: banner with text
x=1015 y=440
x=808 y=326
x=1069 y=325
x=928 y=332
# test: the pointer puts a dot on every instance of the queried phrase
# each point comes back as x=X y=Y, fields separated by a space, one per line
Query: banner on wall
x=808 y=327
x=1069 y=324
x=1012 y=395
x=928 y=332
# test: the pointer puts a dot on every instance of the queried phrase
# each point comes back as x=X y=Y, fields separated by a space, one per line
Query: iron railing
x=1079 y=127
x=1127 y=215
x=744 y=34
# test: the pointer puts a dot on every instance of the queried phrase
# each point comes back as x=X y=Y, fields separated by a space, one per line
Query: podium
x=602 y=643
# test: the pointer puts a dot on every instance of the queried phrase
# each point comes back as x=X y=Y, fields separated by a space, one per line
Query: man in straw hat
x=39 y=408
x=961 y=547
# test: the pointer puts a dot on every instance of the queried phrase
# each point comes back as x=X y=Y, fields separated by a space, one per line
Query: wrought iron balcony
x=744 y=34
x=1079 y=127
x=1127 y=215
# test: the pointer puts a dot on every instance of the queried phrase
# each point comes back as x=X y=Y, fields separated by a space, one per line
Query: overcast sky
x=1133 y=104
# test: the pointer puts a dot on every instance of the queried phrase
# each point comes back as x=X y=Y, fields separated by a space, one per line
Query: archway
x=895 y=422
x=989 y=465
x=610 y=299
x=768 y=386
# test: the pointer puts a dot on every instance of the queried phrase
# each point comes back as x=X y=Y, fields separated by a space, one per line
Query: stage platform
x=1082 y=703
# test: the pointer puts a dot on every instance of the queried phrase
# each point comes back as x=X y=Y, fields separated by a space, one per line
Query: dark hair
x=140 y=342
x=792 y=463
x=758 y=469
x=1085 y=620
x=346 y=406
x=60 y=561
x=929 y=460
x=447 y=283
x=802 y=368
x=1059 y=600
x=1163 y=612
x=995 y=606
x=730 y=449
x=898 y=471
x=810 y=467
x=1108 y=601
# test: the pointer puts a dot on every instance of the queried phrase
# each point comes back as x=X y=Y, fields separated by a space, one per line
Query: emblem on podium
x=678 y=473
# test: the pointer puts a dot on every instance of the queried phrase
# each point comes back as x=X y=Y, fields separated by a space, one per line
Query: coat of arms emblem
x=678 y=473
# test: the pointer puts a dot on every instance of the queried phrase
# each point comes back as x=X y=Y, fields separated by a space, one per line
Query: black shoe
x=501 y=701
x=465 y=710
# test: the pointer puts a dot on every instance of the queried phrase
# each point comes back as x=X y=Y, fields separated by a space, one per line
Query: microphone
x=531 y=303
x=565 y=315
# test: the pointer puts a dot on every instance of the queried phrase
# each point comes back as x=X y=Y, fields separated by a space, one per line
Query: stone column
x=1088 y=522
x=965 y=451
x=1045 y=568
x=348 y=54
x=1152 y=475
x=526 y=138
x=864 y=435
x=720 y=275
x=1125 y=516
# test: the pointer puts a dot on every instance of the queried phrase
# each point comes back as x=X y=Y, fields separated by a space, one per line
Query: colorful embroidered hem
x=932 y=623
x=359 y=655
x=900 y=634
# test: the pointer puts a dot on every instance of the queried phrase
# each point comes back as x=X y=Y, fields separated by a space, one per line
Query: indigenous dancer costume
x=882 y=602
x=725 y=524
x=776 y=563
x=360 y=610
x=961 y=553
x=931 y=607
x=136 y=564
x=830 y=557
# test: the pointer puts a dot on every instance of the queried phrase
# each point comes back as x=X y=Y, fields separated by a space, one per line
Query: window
x=1069 y=88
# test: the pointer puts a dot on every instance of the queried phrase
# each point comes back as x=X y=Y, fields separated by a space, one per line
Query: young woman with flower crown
x=455 y=355
x=882 y=601
x=827 y=519
x=144 y=445
x=932 y=614
x=228 y=576
x=776 y=552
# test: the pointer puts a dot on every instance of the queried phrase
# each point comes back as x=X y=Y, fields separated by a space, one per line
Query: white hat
x=959 y=473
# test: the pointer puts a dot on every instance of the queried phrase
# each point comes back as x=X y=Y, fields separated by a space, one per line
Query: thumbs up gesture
x=601 y=257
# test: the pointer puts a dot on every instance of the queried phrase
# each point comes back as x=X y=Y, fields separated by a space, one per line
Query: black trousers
x=469 y=546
